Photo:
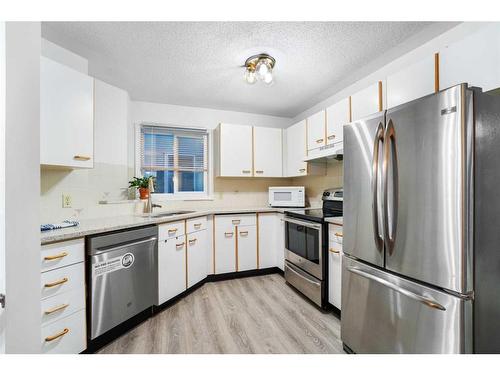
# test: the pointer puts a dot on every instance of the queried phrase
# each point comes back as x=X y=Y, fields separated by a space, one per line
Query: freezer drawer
x=382 y=313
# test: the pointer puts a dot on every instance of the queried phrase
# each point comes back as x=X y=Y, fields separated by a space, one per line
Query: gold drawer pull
x=334 y=251
x=172 y=230
x=81 y=157
x=192 y=241
x=259 y=172
x=331 y=136
x=57 y=256
x=56 y=283
x=302 y=170
x=57 y=335
x=339 y=234
x=236 y=221
x=56 y=309
x=180 y=244
x=246 y=171
x=244 y=233
x=197 y=225
x=319 y=140
x=228 y=234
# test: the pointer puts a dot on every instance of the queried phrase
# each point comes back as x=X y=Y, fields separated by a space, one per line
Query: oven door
x=303 y=245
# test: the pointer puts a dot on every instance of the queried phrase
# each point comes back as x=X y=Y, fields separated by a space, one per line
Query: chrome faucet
x=150 y=205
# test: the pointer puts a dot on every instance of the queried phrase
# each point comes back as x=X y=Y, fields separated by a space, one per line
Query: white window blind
x=176 y=157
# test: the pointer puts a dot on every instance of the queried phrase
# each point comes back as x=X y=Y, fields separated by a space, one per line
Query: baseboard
x=237 y=275
x=347 y=349
x=334 y=310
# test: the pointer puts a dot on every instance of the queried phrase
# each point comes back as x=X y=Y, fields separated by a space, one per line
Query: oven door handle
x=296 y=270
x=307 y=224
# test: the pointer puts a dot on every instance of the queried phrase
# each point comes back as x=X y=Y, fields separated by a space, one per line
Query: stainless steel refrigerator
x=421 y=265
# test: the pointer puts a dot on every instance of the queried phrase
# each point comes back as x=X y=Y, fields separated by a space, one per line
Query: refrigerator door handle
x=425 y=300
x=379 y=138
x=390 y=144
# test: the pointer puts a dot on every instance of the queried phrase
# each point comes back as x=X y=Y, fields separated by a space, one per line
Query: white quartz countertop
x=108 y=224
x=335 y=220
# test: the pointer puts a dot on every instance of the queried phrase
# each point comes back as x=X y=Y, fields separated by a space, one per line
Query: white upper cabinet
x=316 y=130
x=235 y=150
x=412 y=82
x=337 y=116
x=295 y=145
x=474 y=60
x=367 y=101
x=268 y=155
x=66 y=116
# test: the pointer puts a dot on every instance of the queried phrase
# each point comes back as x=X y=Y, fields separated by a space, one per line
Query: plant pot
x=143 y=193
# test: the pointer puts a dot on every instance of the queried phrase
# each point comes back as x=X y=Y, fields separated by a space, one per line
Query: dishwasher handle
x=122 y=245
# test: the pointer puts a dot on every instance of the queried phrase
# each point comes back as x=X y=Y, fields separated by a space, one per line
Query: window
x=177 y=158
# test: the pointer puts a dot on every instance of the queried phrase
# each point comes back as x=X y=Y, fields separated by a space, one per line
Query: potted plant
x=141 y=184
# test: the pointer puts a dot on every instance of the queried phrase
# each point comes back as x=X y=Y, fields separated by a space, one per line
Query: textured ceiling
x=199 y=63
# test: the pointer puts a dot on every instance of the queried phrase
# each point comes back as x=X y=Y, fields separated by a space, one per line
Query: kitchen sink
x=168 y=213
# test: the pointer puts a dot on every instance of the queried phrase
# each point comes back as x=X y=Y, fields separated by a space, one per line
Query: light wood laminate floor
x=259 y=314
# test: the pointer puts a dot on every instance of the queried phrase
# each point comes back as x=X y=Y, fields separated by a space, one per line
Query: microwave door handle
x=379 y=138
x=390 y=153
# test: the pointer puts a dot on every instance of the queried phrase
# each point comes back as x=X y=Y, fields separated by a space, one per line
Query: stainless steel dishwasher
x=122 y=276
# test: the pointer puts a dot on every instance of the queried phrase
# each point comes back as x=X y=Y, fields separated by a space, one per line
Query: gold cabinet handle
x=81 y=157
x=57 y=256
x=244 y=233
x=302 y=170
x=319 y=140
x=246 y=171
x=192 y=241
x=259 y=172
x=331 y=136
x=57 y=335
x=339 y=234
x=56 y=309
x=236 y=221
x=172 y=230
x=56 y=283
x=228 y=234
x=180 y=244
x=334 y=251
x=197 y=225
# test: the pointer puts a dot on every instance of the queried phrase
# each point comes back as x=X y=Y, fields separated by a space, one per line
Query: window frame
x=208 y=184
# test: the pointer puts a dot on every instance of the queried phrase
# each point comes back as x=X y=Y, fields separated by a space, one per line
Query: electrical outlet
x=66 y=198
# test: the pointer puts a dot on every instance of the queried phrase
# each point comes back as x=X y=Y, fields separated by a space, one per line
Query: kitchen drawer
x=237 y=220
x=335 y=234
x=62 y=254
x=62 y=305
x=66 y=335
x=196 y=224
x=62 y=280
x=171 y=230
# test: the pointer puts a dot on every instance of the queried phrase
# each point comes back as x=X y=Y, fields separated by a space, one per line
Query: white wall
x=64 y=56
x=22 y=187
x=2 y=182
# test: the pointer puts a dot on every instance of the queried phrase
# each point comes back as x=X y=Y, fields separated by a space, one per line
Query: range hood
x=329 y=152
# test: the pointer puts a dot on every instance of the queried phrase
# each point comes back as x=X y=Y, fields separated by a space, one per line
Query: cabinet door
x=367 y=101
x=197 y=257
x=337 y=116
x=235 y=150
x=268 y=240
x=316 y=130
x=296 y=147
x=171 y=268
x=475 y=59
x=247 y=247
x=225 y=245
x=411 y=83
x=335 y=265
x=66 y=116
x=268 y=156
x=280 y=249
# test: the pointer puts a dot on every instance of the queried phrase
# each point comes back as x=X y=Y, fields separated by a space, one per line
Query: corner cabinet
x=248 y=151
x=66 y=116
x=337 y=116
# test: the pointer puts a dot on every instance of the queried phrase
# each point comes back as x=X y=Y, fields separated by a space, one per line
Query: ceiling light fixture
x=259 y=67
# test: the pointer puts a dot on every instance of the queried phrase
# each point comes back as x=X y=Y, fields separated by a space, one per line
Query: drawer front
x=335 y=234
x=62 y=254
x=62 y=305
x=237 y=220
x=65 y=336
x=62 y=280
x=196 y=224
x=171 y=230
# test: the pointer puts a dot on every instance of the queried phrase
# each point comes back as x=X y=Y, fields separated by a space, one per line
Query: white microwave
x=287 y=196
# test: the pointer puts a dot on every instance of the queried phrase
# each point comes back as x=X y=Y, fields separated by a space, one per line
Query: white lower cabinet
x=225 y=245
x=246 y=247
x=62 y=298
x=268 y=239
x=197 y=257
x=335 y=236
x=280 y=249
x=171 y=268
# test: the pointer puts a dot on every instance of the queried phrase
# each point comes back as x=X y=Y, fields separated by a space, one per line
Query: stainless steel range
x=306 y=246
